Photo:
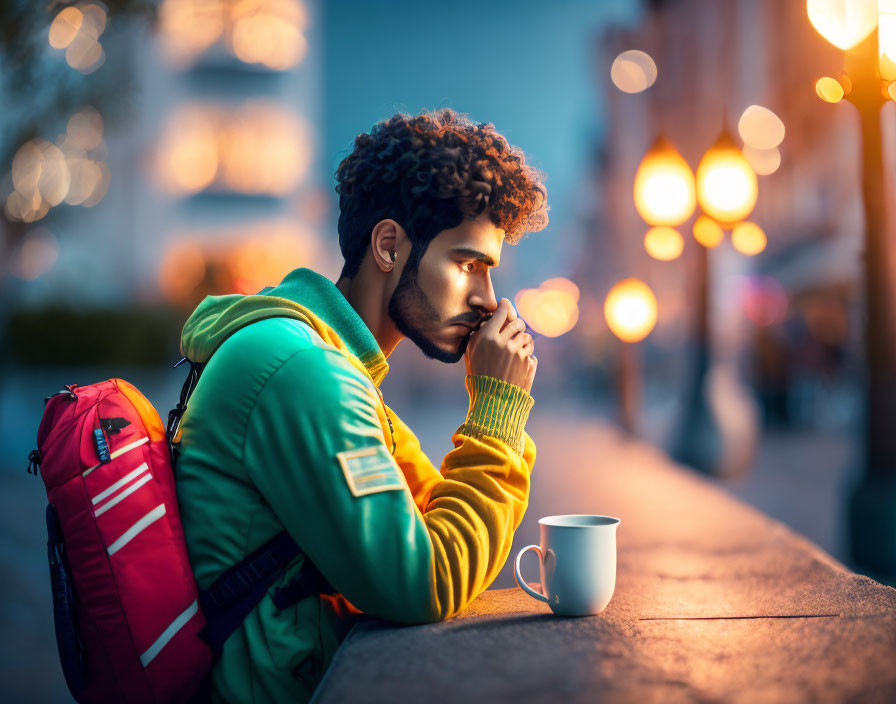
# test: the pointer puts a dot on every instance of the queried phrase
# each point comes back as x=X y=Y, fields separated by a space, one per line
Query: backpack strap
x=176 y=414
x=227 y=602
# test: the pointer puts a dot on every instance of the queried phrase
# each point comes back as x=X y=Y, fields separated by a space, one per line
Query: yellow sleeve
x=472 y=514
x=419 y=472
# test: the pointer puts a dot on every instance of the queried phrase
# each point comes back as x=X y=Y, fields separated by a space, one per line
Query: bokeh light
x=844 y=23
x=242 y=260
x=266 y=32
x=551 y=309
x=630 y=309
x=829 y=89
x=560 y=283
x=65 y=27
x=763 y=161
x=708 y=232
x=77 y=29
x=36 y=255
x=726 y=183
x=763 y=299
x=182 y=270
x=886 y=39
x=260 y=148
x=71 y=170
x=633 y=71
x=269 y=32
x=760 y=128
x=664 y=189
x=663 y=243
x=748 y=238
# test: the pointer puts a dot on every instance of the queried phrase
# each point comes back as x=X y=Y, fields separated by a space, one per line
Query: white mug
x=577 y=563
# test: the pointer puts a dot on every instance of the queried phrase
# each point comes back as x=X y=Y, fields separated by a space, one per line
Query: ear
x=385 y=240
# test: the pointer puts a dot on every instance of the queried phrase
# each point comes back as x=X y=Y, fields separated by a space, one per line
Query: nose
x=484 y=296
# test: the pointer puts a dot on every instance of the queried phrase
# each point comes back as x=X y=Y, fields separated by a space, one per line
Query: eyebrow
x=474 y=254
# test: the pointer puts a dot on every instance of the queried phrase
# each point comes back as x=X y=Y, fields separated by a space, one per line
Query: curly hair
x=428 y=172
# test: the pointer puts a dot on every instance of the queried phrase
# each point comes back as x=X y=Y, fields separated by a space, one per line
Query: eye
x=468 y=267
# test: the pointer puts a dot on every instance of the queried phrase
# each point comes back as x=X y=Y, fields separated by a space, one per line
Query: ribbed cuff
x=497 y=409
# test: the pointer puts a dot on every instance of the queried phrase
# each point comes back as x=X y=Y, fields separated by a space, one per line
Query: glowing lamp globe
x=630 y=310
x=886 y=40
x=664 y=186
x=844 y=23
x=726 y=183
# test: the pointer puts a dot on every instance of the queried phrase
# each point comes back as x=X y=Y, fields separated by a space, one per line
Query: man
x=287 y=430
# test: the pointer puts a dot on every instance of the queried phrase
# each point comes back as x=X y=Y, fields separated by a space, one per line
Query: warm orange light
x=844 y=23
x=726 y=184
x=748 y=238
x=663 y=243
x=763 y=161
x=829 y=89
x=664 y=186
x=65 y=27
x=560 y=283
x=633 y=71
x=760 y=128
x=708 y=232
x=267 y=254
x=886 y=39
x=891 y=90
x=189 y=27
x=551 y=309
x=267 y=32
x=260 y=148
x=630 y=310
x=183 y=269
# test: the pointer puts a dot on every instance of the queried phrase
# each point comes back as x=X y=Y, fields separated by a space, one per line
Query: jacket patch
x=369 y=470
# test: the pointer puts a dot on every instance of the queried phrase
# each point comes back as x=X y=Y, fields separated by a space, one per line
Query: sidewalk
x=714 y=602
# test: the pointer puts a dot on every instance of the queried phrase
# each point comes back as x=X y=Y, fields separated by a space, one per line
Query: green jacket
x=287 y=429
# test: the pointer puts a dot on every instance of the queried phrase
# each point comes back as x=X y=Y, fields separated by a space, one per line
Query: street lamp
x=726 y=183
x=664 y=186
x=630 y=310
x=868 y=84
x=727 y=189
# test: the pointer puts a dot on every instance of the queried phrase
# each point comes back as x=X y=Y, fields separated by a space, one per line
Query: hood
x=304 y=295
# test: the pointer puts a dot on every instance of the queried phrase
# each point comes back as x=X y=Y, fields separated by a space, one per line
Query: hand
x=502 y=348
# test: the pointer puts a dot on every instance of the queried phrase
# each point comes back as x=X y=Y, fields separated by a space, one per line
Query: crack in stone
x=731 y=618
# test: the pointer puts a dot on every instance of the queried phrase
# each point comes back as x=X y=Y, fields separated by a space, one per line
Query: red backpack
x=131 y=625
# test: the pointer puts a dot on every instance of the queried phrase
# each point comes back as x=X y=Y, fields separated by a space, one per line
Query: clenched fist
x=502 y=348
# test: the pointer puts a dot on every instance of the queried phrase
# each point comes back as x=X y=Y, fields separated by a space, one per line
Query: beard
x=413 y=313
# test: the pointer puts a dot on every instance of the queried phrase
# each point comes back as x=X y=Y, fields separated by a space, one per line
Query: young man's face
x=438 y=304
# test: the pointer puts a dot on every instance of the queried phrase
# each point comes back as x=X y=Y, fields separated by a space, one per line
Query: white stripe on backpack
x=120 y=483
x=169 y=633
x=123 y=495
x=120 y=451
x=136 y=529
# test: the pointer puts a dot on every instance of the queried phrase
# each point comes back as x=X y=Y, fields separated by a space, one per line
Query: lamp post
x=869 y=82
x=726 y=188
x=630 y=311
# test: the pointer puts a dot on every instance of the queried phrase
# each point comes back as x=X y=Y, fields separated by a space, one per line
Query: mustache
x=472 y=319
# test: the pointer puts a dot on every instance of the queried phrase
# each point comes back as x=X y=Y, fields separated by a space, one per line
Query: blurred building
x=212 y=177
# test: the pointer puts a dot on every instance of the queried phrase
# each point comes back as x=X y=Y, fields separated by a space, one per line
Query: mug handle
x=520 y=582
